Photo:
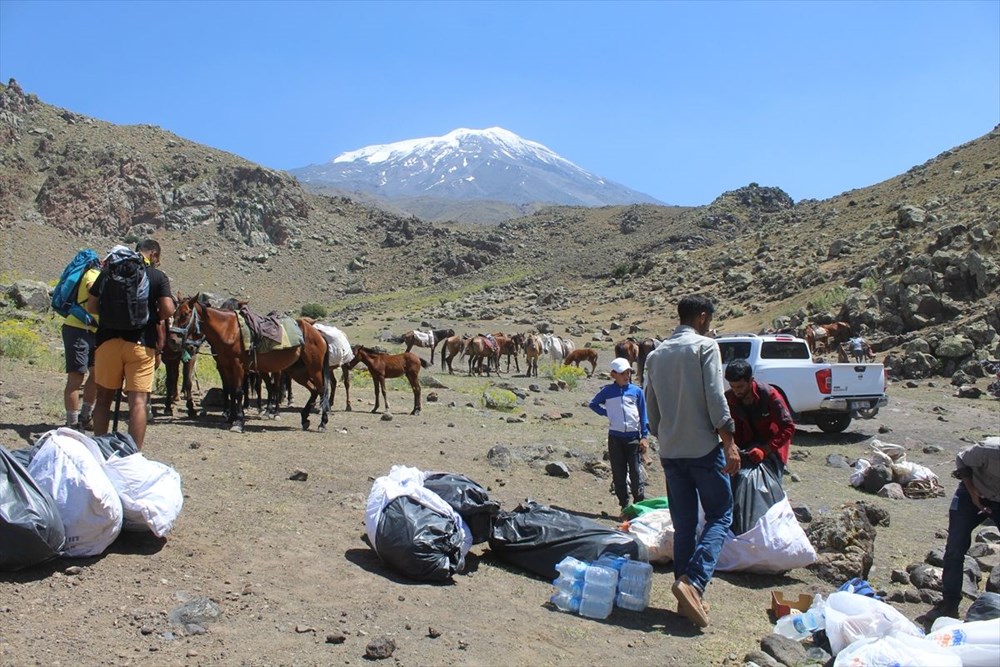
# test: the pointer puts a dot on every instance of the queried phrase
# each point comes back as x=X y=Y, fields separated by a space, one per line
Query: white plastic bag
x=850 y=617
x=150 y=492
x=89 y=505
x=858 y=476
x=976 y=643
x=906 y=472
x=655 y=529
x=893 y=651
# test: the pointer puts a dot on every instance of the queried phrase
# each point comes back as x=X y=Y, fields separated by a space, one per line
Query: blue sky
x=680 y=100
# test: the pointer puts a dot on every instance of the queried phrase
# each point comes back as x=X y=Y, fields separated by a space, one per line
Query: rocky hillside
x=912 y=261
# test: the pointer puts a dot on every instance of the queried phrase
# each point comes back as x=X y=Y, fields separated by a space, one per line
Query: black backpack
x=124 y=301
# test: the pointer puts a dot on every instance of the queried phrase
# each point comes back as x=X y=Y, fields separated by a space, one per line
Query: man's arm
x=782 y=417
x=652 y=407
x=718 y=407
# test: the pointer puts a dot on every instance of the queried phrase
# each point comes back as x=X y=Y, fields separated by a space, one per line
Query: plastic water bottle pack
x=592 y=590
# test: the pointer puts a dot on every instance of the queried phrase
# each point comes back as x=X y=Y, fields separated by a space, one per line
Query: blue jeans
x=688 y=481
x=963 y=517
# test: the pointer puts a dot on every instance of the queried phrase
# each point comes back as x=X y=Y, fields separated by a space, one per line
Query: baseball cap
x=620 y=365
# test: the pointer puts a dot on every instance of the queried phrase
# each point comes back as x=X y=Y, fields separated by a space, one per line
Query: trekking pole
x=118 y=405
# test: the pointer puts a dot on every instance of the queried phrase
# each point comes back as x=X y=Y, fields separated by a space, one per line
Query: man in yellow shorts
x=132 y=296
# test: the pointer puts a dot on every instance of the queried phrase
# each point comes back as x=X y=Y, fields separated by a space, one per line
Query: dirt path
x=286 y=561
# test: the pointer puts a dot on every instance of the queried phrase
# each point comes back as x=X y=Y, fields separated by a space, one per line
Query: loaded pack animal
x=533 y=347
x=826 y=335
x=429 y=338
x=383 y=365
x=587 y=354
x=646 y=345
x=481 y=351
x=451 y=347
x=557 y=347
x=305 y=363
x=341 y=354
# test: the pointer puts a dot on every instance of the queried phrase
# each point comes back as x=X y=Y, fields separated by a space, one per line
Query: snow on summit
x=468 y=165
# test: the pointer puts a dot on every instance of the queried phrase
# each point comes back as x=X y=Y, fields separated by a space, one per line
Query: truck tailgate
x=858 y=379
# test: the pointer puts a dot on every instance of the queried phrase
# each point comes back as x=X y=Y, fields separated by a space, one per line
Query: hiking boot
x=86 y=423
x=689 y=602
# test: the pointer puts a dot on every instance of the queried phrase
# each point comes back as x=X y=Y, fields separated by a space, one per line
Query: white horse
x=340 y=354
x=557 y=347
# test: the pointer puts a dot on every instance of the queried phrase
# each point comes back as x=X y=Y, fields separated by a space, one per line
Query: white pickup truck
x=827 y=395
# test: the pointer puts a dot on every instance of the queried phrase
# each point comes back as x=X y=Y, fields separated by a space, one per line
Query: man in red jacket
x=764 y=425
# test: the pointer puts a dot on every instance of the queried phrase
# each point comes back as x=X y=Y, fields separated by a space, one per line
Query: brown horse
x=828 y=335
x=306 y=364
x=383 y=365
x=180 y=363
x=419 y=338
x=479 y=350
x=646 y=345
x=587 y=354
x=451 y=347
x=533 y=347
x=627 y=349
x=509 y=346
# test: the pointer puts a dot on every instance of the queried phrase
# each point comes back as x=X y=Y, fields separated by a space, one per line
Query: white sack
x=850 y=617
x=858 y=475
x=150 y=492
x=776 y=543
x=340 y=348
x=87 y=501
x=424 y=338
x=407 y=481
x=977 y=643
x=892 y=651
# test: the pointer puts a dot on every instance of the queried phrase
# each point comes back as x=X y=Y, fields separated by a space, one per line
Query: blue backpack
x=64 y=295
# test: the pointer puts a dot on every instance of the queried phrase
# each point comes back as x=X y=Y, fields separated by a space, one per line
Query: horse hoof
x=236 y=428
x=321 y=429
x=305 y=425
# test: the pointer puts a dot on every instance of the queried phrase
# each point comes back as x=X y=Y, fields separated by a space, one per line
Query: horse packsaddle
x=424 y=338
x=269 y=333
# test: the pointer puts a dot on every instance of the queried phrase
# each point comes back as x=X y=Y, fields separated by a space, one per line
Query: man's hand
x=732 y=455
x=755 y=455
x=643 y=445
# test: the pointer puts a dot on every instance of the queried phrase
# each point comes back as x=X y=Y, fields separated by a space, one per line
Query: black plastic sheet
x=121 y=444
x=418 y=542
x=536 y=537
x=470 y=500
x=985 y=608
x=31 y=530
x=755 y=491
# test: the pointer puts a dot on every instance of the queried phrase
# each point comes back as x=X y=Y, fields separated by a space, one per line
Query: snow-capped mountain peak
x=466 y=164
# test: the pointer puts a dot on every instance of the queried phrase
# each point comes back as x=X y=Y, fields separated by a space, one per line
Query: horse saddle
x=268 y=334
x=491 y=342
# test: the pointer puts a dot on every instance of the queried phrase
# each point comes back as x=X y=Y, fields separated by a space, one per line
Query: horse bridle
x=185 y=332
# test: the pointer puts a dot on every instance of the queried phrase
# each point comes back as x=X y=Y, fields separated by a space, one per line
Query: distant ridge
x=493 y=166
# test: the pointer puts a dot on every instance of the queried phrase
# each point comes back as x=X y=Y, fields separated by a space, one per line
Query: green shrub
x=869 y=285
x=831 y=299
x=314 y=311
x=495 y=398
x=571 y=375
x=19 y=341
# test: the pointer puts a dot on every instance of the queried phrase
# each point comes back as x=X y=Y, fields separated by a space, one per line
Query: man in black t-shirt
x=129 y=355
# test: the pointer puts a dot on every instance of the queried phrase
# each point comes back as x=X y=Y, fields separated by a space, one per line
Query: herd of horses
x=325 y=348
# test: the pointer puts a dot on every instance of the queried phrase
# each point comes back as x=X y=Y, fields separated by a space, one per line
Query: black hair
x=692 y=306
x=739 y=370
x=148 y=245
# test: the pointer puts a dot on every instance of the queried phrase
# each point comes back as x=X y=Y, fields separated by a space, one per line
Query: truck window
x=734 y=350
x=780 y=349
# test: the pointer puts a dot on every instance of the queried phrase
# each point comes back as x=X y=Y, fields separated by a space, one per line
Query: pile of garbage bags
x=887 y=465
x=422 y=525
x=72 y=495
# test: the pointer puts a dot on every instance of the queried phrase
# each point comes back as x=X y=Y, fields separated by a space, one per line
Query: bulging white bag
x=893 y=651
x=89 y=506
x=850 y=617
x=150 y=492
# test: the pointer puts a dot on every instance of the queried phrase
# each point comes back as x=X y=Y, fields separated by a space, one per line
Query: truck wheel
x=833 y=423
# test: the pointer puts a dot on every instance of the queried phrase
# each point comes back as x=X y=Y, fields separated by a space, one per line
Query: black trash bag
x=418 y=542
x=755 y=491
x=985 y=608
x=121 y=444
x=470 y=500
x=24 y=456
x=875 y=478
x=536 y=537
x=31 y=530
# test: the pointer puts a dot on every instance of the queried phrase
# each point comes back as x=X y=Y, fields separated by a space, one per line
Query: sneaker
x=87 y=423
x=689 y=602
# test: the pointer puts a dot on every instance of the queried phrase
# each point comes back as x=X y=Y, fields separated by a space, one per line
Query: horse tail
x=444 y=350
x=424 y=363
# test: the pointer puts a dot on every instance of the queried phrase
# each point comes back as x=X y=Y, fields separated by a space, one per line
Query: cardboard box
x=782 y=604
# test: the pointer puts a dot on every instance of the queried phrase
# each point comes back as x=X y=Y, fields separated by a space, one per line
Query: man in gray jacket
x=687 y=409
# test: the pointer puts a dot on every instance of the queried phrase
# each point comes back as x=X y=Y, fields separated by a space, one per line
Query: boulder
x=499 y=456
x=557 y=469
x=786 y=651
x=910 y=216
x=30 y=294
x=955 y=347
x=844 y=540
x=893 y=491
